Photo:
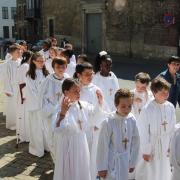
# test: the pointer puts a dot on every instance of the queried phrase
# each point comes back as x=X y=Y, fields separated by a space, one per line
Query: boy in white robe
x=156 y=126
x=50 y=96
x=22 y=130
x=35 y=76
x=175 y=153
x=84 y=73
x=118 y=145
x=107 y=81
x=10 y=85
x=74 y=117
x=142 y=96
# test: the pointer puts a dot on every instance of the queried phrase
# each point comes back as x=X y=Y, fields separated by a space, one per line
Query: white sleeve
x=135 y=144
x=144 y=132
x=103 y=147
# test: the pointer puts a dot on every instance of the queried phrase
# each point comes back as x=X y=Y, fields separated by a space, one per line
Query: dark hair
x=60 y=61
x=68 y=83
x=67 y=53
x=143 y=78
x=26 y=56
x=158 y=84
x=68 y=46
x=14 y=47
x=47 y=42
x=122 y=93
x=99 y=60
x=32 y=67
x=81 y=67
x=22 y=43
x=173 y=59
x=84 y=57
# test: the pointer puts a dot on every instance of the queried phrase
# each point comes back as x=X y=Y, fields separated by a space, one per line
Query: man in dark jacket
x=173 y=77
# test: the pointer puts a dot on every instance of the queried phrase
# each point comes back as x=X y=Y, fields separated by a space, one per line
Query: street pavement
x=17 y=163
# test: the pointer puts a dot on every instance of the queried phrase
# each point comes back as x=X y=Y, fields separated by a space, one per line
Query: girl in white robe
x=142 y=96
x=10 y=85
x=175 y=153
x=106 y=80
x=51 y=93
x=22 y=130
x=84 y=73
x=118 y=145
x=156 y=126
x=35 y=77
x=74 y=117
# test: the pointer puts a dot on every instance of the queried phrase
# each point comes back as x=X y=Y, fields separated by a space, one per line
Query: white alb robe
x=38 y=142
x=51 y=92
x=22 y=121
x=70 y=69
x=45 y=54
x=72 y=152
x=108 y=85
x=88 y=94
x=112 y=154
x=10 y=86
x=146 y=97
x=73 y=59
x=155 y=140
x=175 y=153
x=48 y=64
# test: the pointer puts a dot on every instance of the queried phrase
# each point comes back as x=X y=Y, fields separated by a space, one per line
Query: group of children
x=91 y=127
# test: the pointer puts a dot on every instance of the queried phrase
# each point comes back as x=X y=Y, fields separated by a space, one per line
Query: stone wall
x=132 y=28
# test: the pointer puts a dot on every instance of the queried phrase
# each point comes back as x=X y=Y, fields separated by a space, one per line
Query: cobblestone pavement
x=18 y=163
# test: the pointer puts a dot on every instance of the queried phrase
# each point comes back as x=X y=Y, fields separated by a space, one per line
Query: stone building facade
x=138 y=28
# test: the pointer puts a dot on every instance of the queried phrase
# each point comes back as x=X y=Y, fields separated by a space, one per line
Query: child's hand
x=147 y=157
x=100 y=97
x=65 y=105
x=102 y=174
x=131 y=170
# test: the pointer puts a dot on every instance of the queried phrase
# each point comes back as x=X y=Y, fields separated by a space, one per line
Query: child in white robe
x=69 y=47
x=35 y=76
x=156 y=126
x=53 y=53
x=118 y=145
x=74 y=117
x=142 y=96
x=175 y=153
x=10 y=85
x=106 y=80
x=50 y=96
x=70 y=65
x=82 y=58
x=84 y=73
x=22 y=130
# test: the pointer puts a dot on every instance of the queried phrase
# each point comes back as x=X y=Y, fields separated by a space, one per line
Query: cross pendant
x=125 y=141
x=164 y=124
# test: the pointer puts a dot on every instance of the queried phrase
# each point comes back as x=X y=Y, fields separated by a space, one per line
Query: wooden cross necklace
x=125 y=140
x=164 y=123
